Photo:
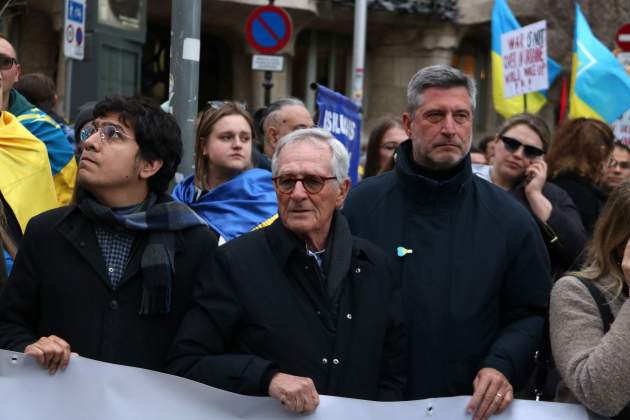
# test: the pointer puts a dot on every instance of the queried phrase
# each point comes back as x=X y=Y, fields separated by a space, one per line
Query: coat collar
x=79 y=231
x=285 y=243
x=419 y=184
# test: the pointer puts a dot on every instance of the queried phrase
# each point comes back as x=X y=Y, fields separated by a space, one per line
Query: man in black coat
x=302 y=307
x=111 y=276
x=473 y=266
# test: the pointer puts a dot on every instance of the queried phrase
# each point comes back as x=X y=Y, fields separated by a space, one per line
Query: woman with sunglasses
x=589 y=318
x=230 y=195
x=520 y=169
x=577 y=162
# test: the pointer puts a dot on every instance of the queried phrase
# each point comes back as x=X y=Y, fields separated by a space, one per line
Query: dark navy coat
x=474 y=269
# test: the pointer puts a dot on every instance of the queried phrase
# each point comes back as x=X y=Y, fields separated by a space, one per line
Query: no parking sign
x=268 y=29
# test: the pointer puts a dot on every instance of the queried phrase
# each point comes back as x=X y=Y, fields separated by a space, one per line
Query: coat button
x=113 y=304
x=306 y=268
x=335 y=361
x=324 y=361
x=82 y=244
x=349 y=316
x=357 y=270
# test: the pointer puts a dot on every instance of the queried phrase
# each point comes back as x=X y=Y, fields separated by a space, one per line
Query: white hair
x=340 y=161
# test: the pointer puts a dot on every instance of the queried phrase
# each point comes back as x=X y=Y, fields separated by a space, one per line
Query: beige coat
x=595 y=368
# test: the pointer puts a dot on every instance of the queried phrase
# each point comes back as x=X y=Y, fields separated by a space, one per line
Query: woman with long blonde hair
x=590 y=318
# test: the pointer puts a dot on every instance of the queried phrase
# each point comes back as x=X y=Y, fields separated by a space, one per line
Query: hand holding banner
x=93 y=390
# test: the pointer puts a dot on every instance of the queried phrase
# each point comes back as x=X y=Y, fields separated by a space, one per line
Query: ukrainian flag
x=600 y=86
x=26 y=182
x=504 y=21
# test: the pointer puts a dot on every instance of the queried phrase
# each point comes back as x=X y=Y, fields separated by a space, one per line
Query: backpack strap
x=600 y=300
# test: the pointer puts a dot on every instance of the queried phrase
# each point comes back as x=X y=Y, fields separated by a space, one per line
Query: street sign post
x=74 y=29
x=623 y=37
x=268 y=29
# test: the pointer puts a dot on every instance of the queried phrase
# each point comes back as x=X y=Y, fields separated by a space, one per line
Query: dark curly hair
x=156 y=132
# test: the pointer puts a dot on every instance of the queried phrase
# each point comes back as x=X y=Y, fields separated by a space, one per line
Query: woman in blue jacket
x=230 y=195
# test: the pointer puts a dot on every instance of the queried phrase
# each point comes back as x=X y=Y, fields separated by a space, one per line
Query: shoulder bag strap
x=600 y=300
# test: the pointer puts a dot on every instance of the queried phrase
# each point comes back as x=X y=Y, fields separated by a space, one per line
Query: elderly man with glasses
x=301 y=307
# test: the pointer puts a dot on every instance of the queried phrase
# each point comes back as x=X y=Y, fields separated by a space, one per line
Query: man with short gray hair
x=301 y=307
x=473 y=266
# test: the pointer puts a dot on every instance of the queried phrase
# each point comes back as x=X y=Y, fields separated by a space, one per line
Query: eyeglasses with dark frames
x=313 y=184
x=108 y=133
x=512 y=145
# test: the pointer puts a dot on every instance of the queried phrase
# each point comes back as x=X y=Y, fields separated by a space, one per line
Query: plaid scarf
x=161 y=220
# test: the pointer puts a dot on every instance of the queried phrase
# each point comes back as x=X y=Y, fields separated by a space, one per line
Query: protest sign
x=524 y=54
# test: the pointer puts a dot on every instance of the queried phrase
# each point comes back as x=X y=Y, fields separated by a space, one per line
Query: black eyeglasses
x=313 y=184
x=109 y=132
x=6 y=62
x=512 y=145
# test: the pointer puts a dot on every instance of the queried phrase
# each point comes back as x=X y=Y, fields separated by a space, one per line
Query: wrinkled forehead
x=305 y=156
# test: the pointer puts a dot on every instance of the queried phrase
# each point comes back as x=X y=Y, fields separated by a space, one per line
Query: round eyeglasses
x=109 y=132
x=313 y=184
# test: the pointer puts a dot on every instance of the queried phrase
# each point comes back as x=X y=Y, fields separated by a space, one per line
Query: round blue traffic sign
x=268 y=29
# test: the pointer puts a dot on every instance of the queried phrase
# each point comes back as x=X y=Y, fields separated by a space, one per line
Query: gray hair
x=440 y=76
x=271 y=113
x=340 y=161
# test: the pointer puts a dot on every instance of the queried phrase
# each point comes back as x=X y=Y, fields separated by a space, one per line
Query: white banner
x=93 y=390
x=524 y=55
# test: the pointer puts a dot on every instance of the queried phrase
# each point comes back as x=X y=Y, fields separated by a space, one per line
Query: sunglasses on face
x=512 y=145
x=6 y=62
x=108 y=133
x=313 y=184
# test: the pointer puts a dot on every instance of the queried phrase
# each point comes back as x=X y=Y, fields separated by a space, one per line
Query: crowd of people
x=266 y=273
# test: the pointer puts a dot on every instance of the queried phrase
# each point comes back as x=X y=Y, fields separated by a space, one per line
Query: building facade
x=402 y=36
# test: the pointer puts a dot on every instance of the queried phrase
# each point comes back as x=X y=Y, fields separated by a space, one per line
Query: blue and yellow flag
x=504 y=21
x=600 y=86
x=25 y=178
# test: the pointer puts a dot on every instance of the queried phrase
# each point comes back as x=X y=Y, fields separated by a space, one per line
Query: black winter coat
x=59 y=286
x=261 y=315
x=588 y=197
x=474 y=271
x=563 y=233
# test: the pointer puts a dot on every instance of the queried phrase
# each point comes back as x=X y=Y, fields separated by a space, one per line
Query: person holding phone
x=519 y=168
